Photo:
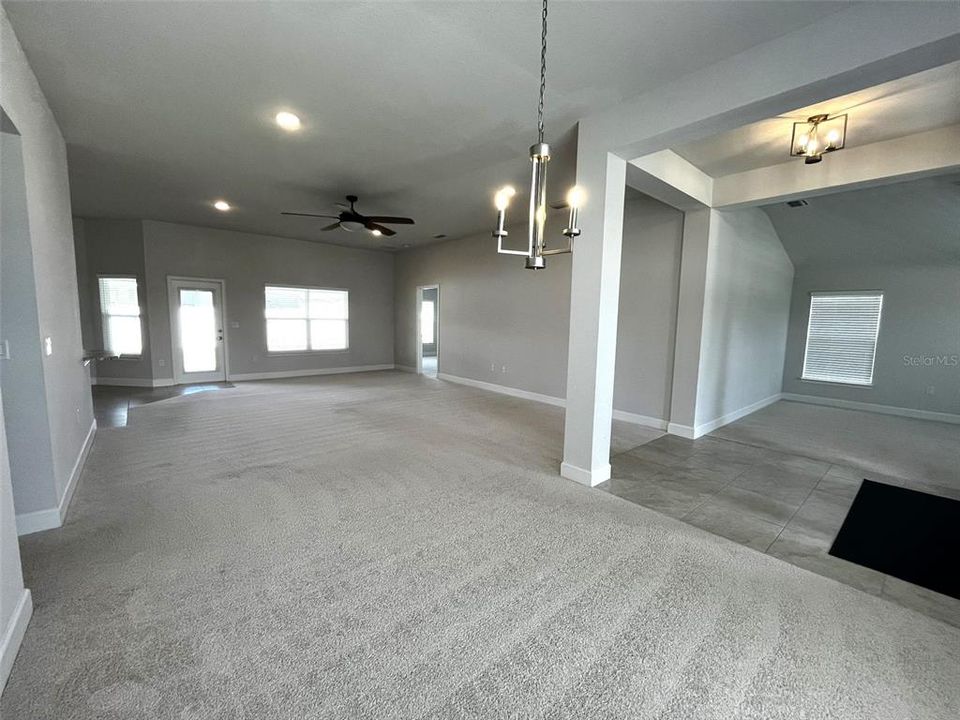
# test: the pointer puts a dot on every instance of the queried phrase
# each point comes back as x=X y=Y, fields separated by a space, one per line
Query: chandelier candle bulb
x=501 y=200
x=574 y=201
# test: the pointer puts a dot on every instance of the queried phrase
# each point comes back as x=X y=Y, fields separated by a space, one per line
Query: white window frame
x=102 y=314
x=308 y=351
x=876 y=337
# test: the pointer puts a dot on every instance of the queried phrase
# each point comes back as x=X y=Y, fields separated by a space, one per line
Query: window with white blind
x=842 y=337
x=301 y=319
x=120 y=316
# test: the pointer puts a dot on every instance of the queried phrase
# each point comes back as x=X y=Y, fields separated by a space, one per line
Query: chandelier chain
x=543 y=72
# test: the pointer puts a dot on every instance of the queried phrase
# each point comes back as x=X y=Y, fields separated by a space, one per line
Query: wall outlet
x=4 y=350
x=493 y=367
x=48 y=346
x=234 y=324
x=503 y=368
x=161 y=362
x=931 y=390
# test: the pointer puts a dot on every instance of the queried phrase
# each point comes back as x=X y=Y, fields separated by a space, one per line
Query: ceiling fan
x=349 y=219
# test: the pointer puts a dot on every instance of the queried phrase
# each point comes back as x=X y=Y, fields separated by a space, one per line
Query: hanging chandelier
x=539 y=157
x=820 y=134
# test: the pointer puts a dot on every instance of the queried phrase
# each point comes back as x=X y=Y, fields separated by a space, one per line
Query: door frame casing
x=173 y=306
x=418 y=345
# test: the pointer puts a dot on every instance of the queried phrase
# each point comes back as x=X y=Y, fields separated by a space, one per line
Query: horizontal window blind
x=842 y=337
x=120 y=315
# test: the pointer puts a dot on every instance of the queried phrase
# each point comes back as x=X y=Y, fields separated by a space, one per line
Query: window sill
x=306 y=353
x=837 y=384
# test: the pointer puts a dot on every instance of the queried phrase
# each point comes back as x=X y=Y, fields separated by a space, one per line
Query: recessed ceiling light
x=288 y=121
x=222 y=205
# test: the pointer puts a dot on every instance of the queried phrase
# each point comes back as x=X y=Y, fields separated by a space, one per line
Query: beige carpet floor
x=386 y=546
x=888 y=445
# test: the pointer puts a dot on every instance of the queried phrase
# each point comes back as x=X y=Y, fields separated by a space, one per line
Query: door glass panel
x=198 y=331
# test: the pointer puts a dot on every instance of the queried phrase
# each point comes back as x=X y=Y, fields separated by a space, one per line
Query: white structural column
x=594 y=302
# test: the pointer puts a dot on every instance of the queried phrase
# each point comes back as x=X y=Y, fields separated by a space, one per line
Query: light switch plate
x=48 y=346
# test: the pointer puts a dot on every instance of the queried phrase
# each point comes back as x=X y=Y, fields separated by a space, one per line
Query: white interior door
x=196 y=325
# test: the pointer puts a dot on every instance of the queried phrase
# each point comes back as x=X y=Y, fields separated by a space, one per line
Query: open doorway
x=428 y=330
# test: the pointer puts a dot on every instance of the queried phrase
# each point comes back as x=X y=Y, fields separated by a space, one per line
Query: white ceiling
x=913 y=104
x=916 y=222
x=418 y=108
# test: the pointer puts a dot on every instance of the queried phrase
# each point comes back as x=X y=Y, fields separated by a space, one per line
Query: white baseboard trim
x=874 y=408
x=590 y=478
x=50 y=518
x=503 y=389
x=13 y=636
x=133 y=382
x=307 y=373
x=622 y=415
x=38 y=521
x=644 y=420
x=76 y=472
x=684 y=431
x=719 y=422
x=405 y=368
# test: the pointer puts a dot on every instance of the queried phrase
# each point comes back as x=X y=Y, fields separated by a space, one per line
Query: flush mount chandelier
x=539 y=157
x=818 y=135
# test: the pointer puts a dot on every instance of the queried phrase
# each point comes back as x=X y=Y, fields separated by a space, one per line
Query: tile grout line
x=802 y=503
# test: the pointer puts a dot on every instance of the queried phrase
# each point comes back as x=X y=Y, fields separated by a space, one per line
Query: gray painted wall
x=21 y=376
x=111 y=247
x=749 y=279
x=66 y=380
x=246 y=262
x=503 y=324
x=11 y=573
x=920 y=323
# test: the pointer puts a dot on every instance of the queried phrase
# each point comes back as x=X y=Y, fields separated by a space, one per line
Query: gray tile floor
x=111 y=404
x=785 y=505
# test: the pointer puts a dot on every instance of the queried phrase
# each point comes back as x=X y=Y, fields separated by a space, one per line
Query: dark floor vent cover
x=911 y=535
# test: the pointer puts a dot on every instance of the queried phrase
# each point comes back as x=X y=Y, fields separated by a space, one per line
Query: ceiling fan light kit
x=537 y=251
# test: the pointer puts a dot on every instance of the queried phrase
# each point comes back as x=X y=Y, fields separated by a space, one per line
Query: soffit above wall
x=907 y=106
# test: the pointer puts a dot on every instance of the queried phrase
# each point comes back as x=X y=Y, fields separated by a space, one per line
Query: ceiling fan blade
x=391 y=220
x=334 y=217
x=383 y=230
x=332 y=226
